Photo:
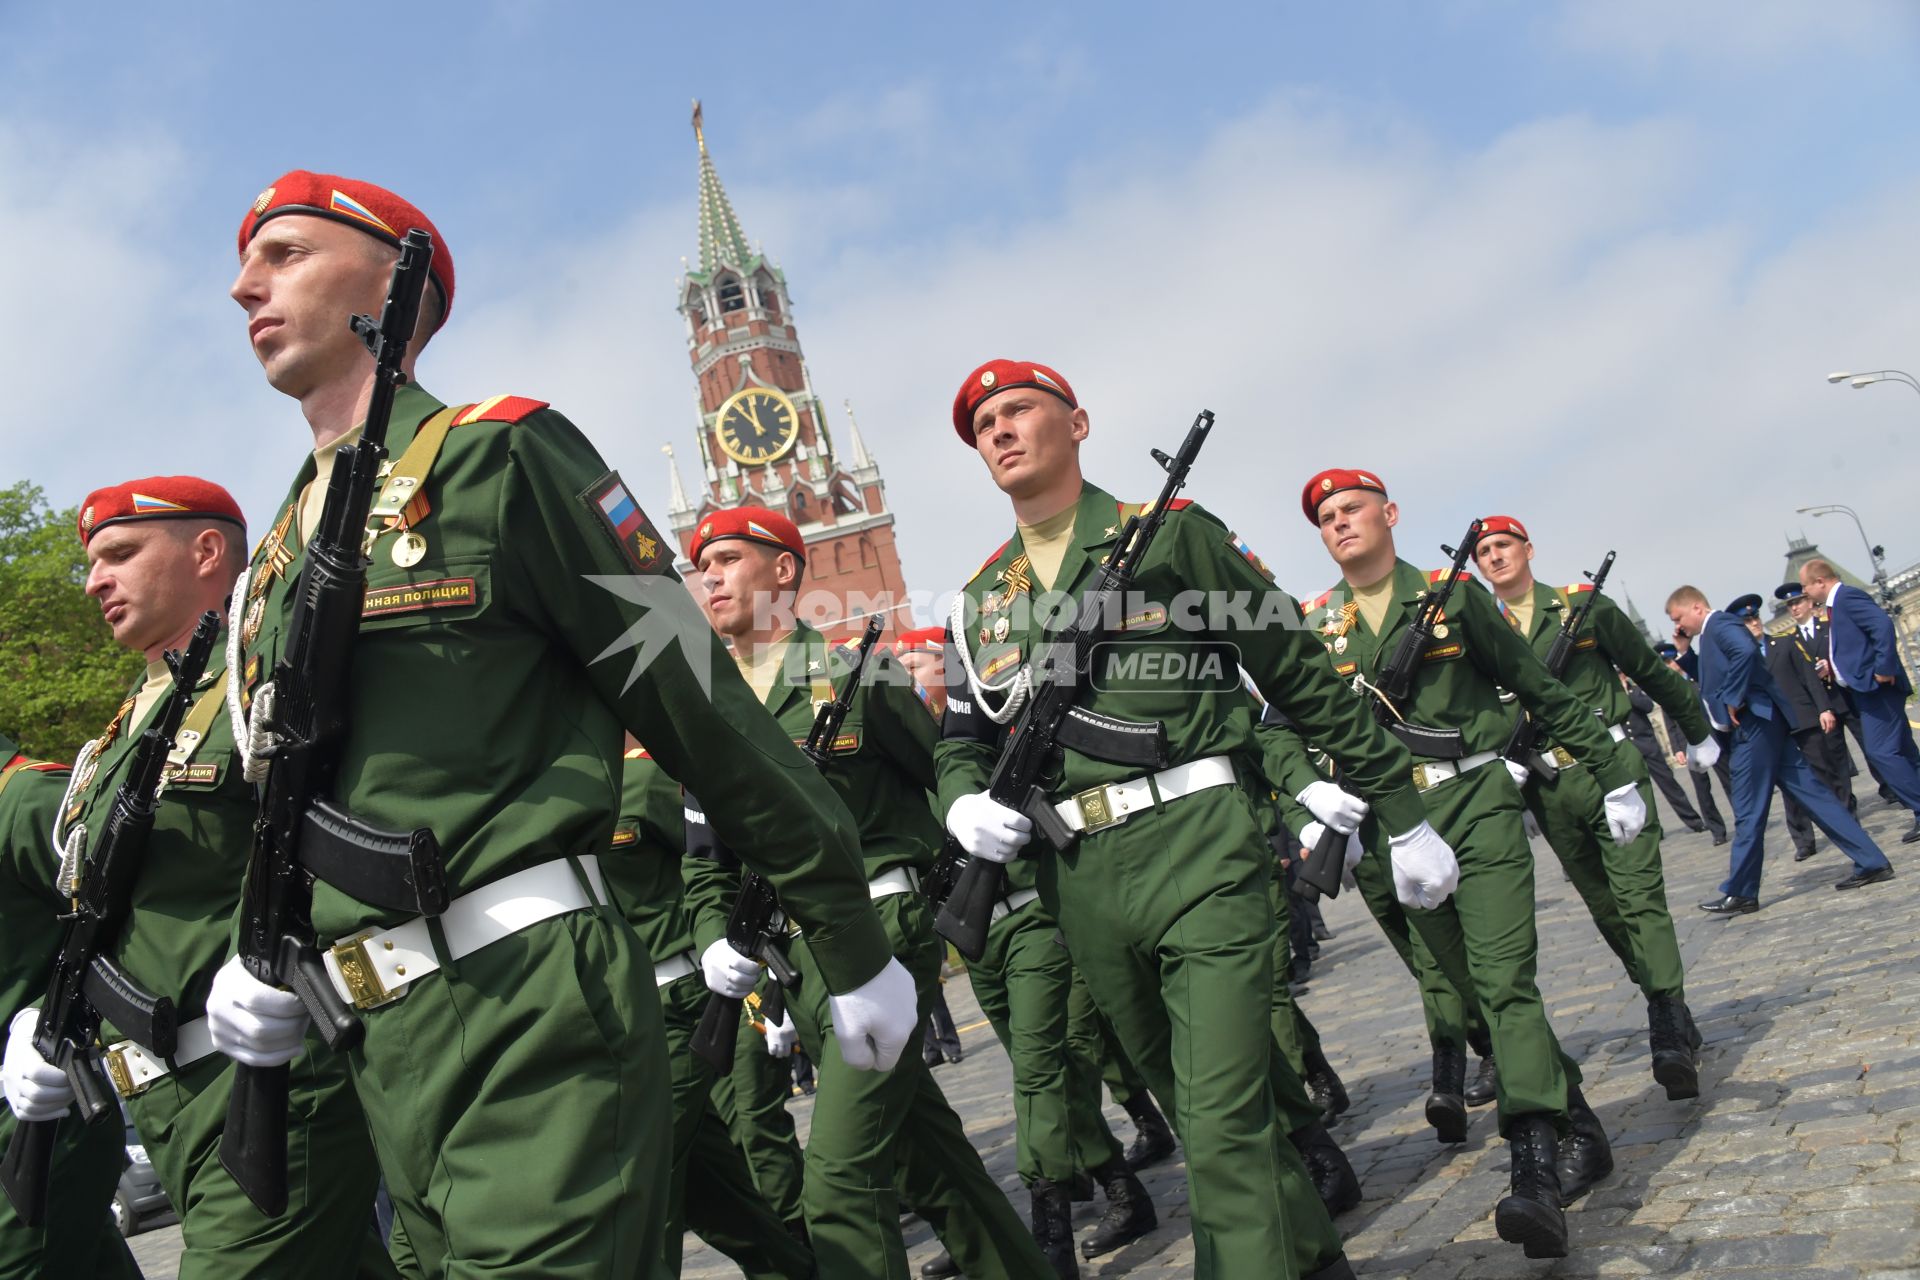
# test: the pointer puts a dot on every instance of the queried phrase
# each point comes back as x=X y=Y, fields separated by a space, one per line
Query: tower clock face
x=756 y=426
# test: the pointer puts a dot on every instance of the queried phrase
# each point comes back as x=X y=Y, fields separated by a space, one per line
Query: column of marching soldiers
x=510 y=893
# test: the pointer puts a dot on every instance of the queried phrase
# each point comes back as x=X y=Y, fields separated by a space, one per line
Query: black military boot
x=1129 y=1212
x=1530 y=1215
x=1153 y=1139
x=938 y=1266
x=1080 y=1190
x=1338 y=1269
x=1053 y=1228
x=1323 y=1085
x=1446 y=1105
x=1485 y=1086
x=1333 y=1176
x=1671 y=1036
x=1585 y=1155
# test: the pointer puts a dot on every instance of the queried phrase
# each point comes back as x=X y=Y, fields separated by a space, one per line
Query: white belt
x=1006 y=906
x=673 y=969
x=1098 y=808
x=884 y=885
x=376 y=966
x=1428 y=774
x=134 y=1068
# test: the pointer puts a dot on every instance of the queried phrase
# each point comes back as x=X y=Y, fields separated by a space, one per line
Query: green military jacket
x=498 y=663
x=1457 y=684
x=1203 y=609
x=642 y=867
x=177 y=930
x=882 y=767
x=30 y=795
x=1608 y=641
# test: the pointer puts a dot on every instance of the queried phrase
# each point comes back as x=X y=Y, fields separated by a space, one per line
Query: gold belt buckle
x=115 y=1060
x=1420 y=782
x=355 y=963
x=1096 y=810
x=1564 y=758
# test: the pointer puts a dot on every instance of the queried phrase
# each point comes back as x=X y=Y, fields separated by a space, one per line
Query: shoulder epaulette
x=500 y=409
x=1577 y=588
x=998 y=551
x=638 y=753
x=1137 y=508
x=1320 y=601
x=1438 y=574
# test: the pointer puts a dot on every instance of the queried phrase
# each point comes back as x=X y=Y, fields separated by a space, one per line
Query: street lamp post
x=1877 y=555
x=1861 y=381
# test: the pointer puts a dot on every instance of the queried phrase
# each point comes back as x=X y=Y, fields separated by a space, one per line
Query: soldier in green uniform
x=1163 y=899
x=1623 y=885
x=77 y=1238
x=520 y=612
x=751 y=1101
x=1097 y=1054
x=864 y=1125
x=162 y=551
x=713 y=1192
x=1484 y=940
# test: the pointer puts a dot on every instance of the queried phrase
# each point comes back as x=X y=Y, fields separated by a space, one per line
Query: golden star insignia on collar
x=1112 y=530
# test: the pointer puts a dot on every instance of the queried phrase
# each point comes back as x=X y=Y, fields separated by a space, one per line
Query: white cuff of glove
x=1704 y=754
x=1425 y=870
x=780 y=1037
x=251 y=1022
x=1341 y=810
x=988 y=829
x=727 y=972
x=1626 y=813
x=1517 y=771
x=35 y=1088
x=874 y=1021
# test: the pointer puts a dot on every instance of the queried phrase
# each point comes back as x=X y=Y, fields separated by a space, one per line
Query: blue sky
x=1514 y=252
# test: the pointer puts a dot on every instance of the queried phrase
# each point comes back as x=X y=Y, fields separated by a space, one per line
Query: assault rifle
x=1320 y=873
x=301 y=834
x=1051 y=721
x=86 y=986
x=1529 y=735
x=750 y=925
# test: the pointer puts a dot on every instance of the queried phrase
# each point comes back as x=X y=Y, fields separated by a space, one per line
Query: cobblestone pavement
x=1800 y=1161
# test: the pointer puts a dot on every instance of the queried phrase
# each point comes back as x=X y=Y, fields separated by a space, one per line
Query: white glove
x=1339 y=809
x=1704 y=754
x=727 y=972
x=1310 y=837
x=1517 y=771
x=780 y=1036
x=1425 y=871
x=1626 y=813
x=988 y=829
x=875 y=1020
x=36 y=1089
x=251 y=1022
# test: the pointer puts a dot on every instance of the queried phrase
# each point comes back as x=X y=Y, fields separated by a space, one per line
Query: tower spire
x=861 y=458
x=722 y=242
x=677 y=501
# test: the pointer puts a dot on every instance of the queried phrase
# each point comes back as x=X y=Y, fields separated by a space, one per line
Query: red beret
x=158 y=498
x=361 y=205
x=1332 y=481
x=1503 y=524
x=995 y=376
x=921 y=639
x=749 y=524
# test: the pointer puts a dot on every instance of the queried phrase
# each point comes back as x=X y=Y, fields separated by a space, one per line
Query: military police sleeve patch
x=1245 y=552
x=614 y=509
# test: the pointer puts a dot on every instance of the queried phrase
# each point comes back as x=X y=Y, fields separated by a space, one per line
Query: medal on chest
x=1338 y=624
x=271 y=559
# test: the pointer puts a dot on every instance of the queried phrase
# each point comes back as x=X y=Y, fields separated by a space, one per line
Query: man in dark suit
x=1822 y=741
x=1800 y=713
x=1640 y=733
x=1741 y=696
x=1722 y=768
x=1861 y=658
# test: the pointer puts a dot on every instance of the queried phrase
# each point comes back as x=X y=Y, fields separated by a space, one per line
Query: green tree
x=61 y=674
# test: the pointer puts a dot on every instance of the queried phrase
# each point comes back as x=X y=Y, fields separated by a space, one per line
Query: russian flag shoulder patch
x=613 y=508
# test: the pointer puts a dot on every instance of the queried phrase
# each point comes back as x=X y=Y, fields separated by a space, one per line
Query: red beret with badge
x=748 y=524
x=158 y=498
x=995 y=376
x=361 y=205
x=1336 y=480
x=1503 y=524
x=921 y=640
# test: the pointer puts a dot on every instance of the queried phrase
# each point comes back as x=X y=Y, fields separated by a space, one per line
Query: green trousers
x=77 y=1239
x=521 y=1106
x=713 y=1191
x=1169 y=919
x=1095 y=1047
x=871 y=1126
x=1624 y=886
x=327 y=1229
x=1481 y=940
x=751 y=1100
x=1024 y=984
x=1292 y=1033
